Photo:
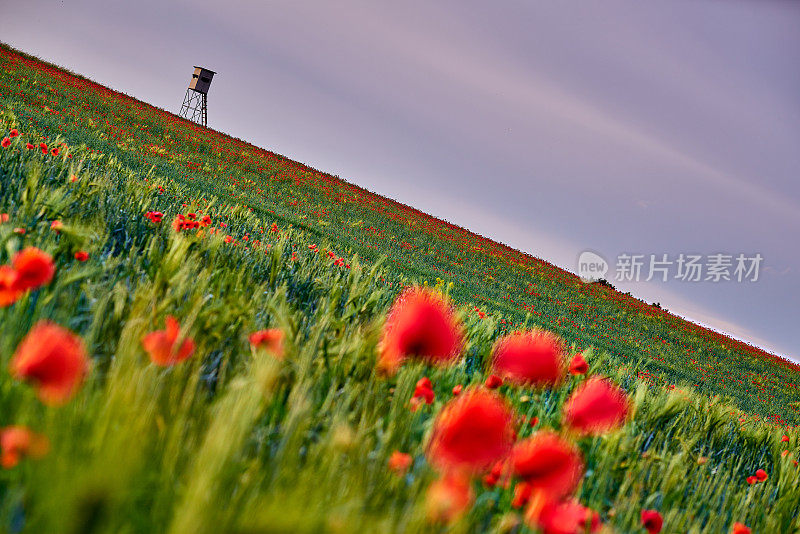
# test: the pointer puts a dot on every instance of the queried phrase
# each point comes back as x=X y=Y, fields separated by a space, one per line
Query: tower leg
x=205 y=109
x=195 y=107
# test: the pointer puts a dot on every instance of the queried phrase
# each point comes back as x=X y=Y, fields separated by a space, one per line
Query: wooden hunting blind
x=195 y=103
x=201 y=79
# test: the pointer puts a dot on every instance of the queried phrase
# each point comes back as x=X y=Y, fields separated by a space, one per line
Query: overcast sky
x=621 y=127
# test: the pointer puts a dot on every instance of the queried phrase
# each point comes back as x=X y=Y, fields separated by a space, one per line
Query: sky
x=619 y=127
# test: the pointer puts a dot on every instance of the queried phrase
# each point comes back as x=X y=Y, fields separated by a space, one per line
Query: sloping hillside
x=503 y=283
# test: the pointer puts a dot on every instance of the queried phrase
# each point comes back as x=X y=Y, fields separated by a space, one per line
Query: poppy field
x=200 y=335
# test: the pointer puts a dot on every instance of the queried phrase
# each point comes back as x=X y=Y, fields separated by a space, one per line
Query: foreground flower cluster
x=474 y=437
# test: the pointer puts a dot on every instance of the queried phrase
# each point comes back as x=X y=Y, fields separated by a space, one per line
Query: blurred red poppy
x=493 y=382
x=19 y=441
x=548 y=463
x=420 y=324
x=53 y=359
x=472 y=431
x=399 y=462
x=9 y=291
x=424 y=390
x=761 y=475
x=652 y=521
x=162 y=345
x=154 y=216
x=561 y=517
x=578 y=365
x=529 y=358
x=449 y=497
x=81 y=255
x=739 y=528
x=270 y=340
x=595 y=407
x=522 y=494
x=34 y=268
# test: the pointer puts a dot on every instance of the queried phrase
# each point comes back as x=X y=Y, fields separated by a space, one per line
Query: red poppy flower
x=154 y=216
x=471 y=432
x=43 y=147
x=420 y=324
x=399 y=462
x=29 y=146
x=9 y=290
x=529 y=358
x=522 y=494
x=81 y=255
x=162 y=345
x=578 y=365
x=457 y=390
x=424 y=390
x=565 y=517
x=739 y=528
x=18 y=441
x=54 y=151
x=761 y=475
x=270 y=340
x=13 y=133
x=652 y=521
x=752 y=480
x=4 y=217
x=449 y=497
x=5 y=142
x=785 y=439
x=595 y=407
x=53 y=359
x=34 y=268
x=179 y=223
x=548 y=463
x=493 y=382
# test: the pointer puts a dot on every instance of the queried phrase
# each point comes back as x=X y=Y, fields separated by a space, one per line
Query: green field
x=235 y=440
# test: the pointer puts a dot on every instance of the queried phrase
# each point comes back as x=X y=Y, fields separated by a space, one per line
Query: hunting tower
x=195 y=103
